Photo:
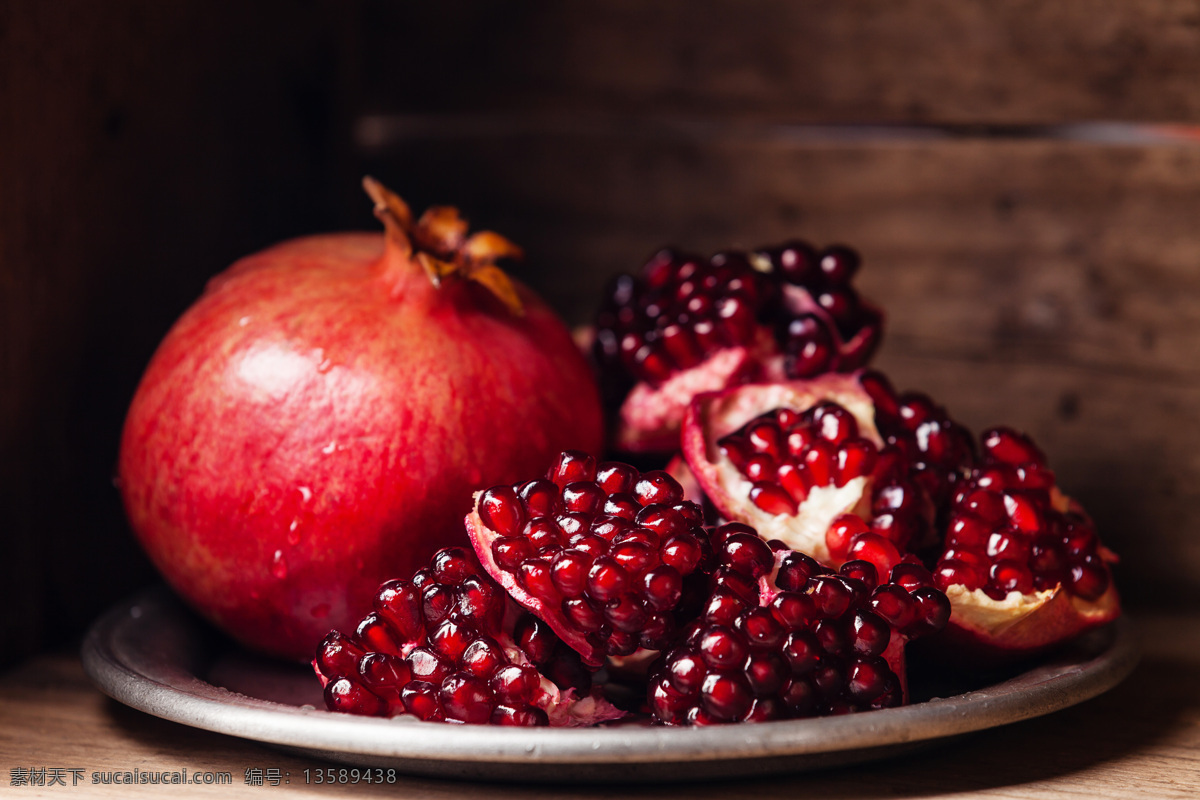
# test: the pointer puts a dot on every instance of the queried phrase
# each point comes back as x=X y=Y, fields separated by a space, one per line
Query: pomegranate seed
x=772 y=498
x=399 y=603
x=526 y=717
x=616 y=478
x=795 y=481
x=502 y=510
x=834 y=423
x=347 y=696
x=821 y=461
x=761 y=467
x=483 y=658
x=1088 y=578
x=572 y=466
x=862 y=571
x=950 y=572
x=606 y=579
x=765 y=436
x=662 y=587
x=726 y=697
x=626 y=613
x=747 y=554
x=658 y=487
x=855 y=458
x=541 y=498
x=1010 y=447
x=867 y=680
x=876 y=549
x=795 y=572
x=839 y=264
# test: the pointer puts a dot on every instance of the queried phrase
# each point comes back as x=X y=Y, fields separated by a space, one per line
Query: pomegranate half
x=317 y=421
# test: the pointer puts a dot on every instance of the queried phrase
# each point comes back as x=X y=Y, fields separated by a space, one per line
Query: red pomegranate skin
x=317 y=421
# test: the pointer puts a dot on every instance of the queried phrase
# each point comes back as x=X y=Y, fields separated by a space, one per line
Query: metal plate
x=154 y=655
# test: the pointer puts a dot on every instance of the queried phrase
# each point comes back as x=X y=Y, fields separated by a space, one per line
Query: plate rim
x=172 y=691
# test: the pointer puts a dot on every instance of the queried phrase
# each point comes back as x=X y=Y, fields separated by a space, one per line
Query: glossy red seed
x=572 y=466
x=524 y=717
x=338 y=656
x=876 y=549
x=510 y=551
x=1088 y=578
x=795 y=481
x=662 y=587
x=726 y=697
x=683 y=552
x=583 y=497
x=606 y=579
x=543 y=533
x=821 y=461
x=867 y=679
x=657 y=487
x=537 y=578
x=1010 y=447
x=950 y=572
x=541 y=497
x=350 y=697
x=381 y=672
x=795 y=571
x=399 y=602
x=466 y=698
x=855 y=459
x=760 y=467
x=747 y=554
x=502 y=510
x=583 y=614
x=569 y=572
x=862 y=571
x=772 y=498
x=724 y=607
x=482 y=658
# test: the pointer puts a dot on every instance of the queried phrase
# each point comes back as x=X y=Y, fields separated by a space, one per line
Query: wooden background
x=1022 y=180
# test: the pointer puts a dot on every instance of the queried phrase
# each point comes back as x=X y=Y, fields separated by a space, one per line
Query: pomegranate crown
x=438 y=242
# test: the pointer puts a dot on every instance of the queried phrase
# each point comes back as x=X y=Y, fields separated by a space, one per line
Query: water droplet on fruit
x=305 y=493
x=244 y=321
x=321 y=611
x=293 y=534
x=279 y=566
x=329 y=448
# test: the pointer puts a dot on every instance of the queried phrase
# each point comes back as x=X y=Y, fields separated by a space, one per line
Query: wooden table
x=1142 y=739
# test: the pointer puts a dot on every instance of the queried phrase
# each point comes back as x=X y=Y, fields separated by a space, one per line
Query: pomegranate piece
x=786 y=458
x=449 y=645
x=686 y=325
x=601 y=552
x=782 y=637
x=1021 y=562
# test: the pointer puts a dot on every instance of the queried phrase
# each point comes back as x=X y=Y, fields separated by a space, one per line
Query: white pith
x=976 y=610
x=804 y=531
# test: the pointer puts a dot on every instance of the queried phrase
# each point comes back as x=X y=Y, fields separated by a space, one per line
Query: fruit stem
x=437 y=242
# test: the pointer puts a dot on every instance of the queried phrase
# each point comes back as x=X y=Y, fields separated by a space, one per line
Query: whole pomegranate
x=317 y=421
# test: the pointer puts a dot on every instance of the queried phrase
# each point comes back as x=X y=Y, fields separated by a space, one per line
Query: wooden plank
x=1141 y=738
x=969 y=62
x=142 y=148
x=1048 y=285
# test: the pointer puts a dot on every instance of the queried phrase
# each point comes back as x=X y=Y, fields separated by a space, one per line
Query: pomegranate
x=684 y=326
x=1021 y=562
x=449 y=645
x=782 y=637
x=786 y=458
x=317 y=421
x=601 y=552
